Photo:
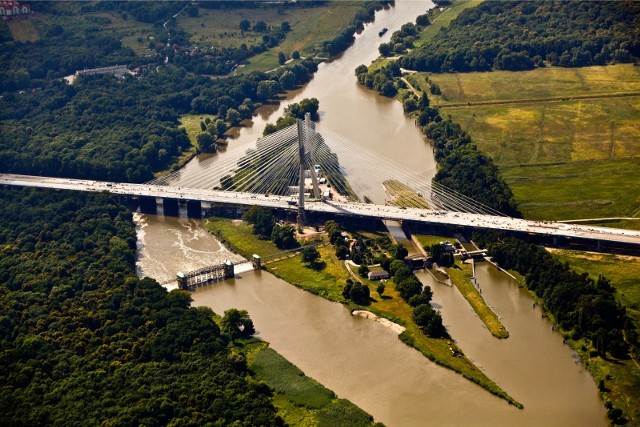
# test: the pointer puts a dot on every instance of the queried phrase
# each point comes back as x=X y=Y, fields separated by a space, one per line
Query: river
x=362 y=360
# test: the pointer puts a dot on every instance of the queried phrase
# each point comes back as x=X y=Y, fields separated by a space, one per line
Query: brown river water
x=362 y=360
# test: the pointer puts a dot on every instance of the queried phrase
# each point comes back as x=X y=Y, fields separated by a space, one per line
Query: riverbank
x=461 y=277
x=299 y=399
x=329 y=283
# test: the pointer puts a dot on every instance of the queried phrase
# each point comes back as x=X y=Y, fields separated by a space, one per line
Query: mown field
x=567 y=140
x=309 y=26
x=23 y=30
x=621 y=379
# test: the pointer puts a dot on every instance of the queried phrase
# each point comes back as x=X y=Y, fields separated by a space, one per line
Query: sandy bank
x=386 y=322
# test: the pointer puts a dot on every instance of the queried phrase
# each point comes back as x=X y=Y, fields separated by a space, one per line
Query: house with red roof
x=10 y=8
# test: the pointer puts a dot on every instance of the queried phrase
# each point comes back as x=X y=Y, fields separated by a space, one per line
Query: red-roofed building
x=9 y=8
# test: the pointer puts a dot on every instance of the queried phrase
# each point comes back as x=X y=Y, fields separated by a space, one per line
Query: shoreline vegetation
x=461 y=278
x=325 y=283
x=299 y=399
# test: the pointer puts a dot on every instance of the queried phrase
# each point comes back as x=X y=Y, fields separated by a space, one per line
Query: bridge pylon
x=306 y=163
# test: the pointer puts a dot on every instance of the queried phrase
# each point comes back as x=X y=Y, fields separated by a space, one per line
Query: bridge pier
x=194 y=209
x=183 y=283
x=256 y=262
x=148 y=205
x=170 y=207
x=229 y=270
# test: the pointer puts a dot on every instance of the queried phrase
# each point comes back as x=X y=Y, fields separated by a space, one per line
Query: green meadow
x=565 y=139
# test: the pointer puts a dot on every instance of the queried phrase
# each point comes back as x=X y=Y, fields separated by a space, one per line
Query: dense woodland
x=84 y=342
x=522 y=35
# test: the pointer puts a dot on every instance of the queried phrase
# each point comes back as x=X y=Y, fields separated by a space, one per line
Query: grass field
x=23 y=30
x=309 y=27
x=624 y=273
x=191 y=123
x=598 y=189
x=442 y=18
x=565 y=139
x=541 y=83
x=301 y=401
x=461 y=278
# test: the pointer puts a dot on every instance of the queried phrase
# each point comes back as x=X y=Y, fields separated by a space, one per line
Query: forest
x=507 y=35
x=83 y=341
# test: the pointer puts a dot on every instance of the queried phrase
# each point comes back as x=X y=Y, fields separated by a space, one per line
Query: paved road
x=547 y=228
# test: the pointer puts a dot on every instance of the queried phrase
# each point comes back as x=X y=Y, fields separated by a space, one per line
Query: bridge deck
x=547 y=228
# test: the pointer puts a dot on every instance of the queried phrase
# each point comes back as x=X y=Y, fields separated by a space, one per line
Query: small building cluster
x=116 y=70
x=11 y=8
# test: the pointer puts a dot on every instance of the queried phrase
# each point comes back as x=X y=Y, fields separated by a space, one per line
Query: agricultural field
x=538 y=84
x=594 y=189
x=567 y=140
x=309 y=27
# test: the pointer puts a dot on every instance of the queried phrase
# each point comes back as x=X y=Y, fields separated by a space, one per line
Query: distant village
x=11 y=8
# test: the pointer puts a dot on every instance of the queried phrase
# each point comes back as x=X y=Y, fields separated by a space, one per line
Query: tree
x=287 y=79
x=410 y=105
x=310 y=255
x=233 y=116
x=245 y=25
x=408 y=287
x=380 y=288
x=429 y=321
x=356 y=292
x=282 y=58
x=342 y=252
x=260 y=27
x=284 y=237
x=423 y=20
x=363 y=270
x=251 y=215
x=220 y=127
x=237 y=324
x=264 y=224
x=285 y=27
x=385 y=49
x=400 y=252
x=205 y=142
x=295 y=55
x=266 y=89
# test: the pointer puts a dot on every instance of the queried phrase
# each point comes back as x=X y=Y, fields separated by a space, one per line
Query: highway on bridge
x=547 y=228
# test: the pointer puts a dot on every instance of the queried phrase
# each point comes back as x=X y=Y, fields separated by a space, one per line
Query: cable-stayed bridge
x=307 y=168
